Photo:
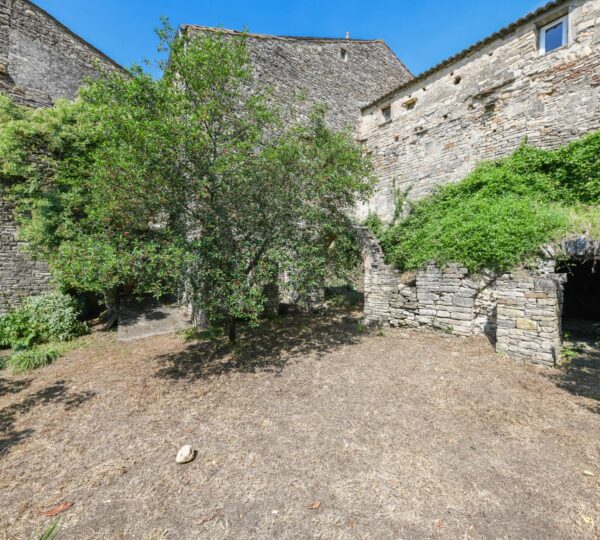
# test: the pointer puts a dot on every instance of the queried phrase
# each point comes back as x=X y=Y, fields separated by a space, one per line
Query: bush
x=41 y=319
x=503 y=212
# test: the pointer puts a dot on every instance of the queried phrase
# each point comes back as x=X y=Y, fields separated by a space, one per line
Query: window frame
x=565 y=34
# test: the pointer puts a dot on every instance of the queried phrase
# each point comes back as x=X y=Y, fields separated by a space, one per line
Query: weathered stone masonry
x=480 y=105
x=40 y=61
x=343 y=74
x=20 y=276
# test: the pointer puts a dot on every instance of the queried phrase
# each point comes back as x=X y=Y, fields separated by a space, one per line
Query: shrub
x=503 y=212
x=41 y=319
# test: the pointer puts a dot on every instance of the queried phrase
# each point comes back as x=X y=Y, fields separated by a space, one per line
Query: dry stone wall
x=446 y=298
x=529 y=316
x=484 y=104
x=520 y=311
x=380 y=280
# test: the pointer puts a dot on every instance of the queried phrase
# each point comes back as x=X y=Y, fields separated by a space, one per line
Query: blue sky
x=420 y=32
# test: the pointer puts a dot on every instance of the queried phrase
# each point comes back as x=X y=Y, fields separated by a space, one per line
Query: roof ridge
x=274 y=36
x=504 y=31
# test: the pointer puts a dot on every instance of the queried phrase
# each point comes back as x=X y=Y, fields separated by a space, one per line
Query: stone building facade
x=482 y=103
x=478 y=105
x=40 y=61
x=343 y=74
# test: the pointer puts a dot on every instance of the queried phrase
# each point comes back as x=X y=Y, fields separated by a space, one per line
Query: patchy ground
x=403 y=435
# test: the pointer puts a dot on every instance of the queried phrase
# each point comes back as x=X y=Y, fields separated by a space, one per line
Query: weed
x=51 y=531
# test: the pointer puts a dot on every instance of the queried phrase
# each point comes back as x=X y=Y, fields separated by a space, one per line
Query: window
x=387 y=113
x=554 y=35
x=344 y=54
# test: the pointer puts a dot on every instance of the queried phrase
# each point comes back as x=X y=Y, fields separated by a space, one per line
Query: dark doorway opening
x=581 y=330
x=581 y=300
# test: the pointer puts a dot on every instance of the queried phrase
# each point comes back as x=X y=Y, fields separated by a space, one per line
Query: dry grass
x=407 y=435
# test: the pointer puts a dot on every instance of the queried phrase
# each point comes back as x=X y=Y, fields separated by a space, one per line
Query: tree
x=147 y=185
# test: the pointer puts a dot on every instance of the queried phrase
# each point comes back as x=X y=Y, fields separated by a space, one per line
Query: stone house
x=538 y=79
x=343 y=74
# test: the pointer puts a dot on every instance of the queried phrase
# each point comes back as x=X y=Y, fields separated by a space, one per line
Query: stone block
x=527 y=325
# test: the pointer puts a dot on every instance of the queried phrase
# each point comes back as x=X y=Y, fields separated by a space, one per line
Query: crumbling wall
x=446 y=298
x=520 y=311
x=483 y=104
x=529 y=317
x=380 y=280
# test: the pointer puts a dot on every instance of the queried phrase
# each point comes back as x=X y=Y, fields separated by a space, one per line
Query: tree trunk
x=231 y=329
x=112 y=300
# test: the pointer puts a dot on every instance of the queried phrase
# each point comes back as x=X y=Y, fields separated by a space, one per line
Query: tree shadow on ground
x=55 y=393
x=13 y=387
x=581 y=376
x=266 y=348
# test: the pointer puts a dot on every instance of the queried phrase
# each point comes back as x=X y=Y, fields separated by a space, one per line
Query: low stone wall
x=529 y=316
x=448 y=299
x=519 y=311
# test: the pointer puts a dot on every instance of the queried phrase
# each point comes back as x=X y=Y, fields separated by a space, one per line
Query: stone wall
x=344 y=74
x=520 y=311
x=20 y=276
x=529 y=316
x=40 y=61
x=448 y=299
x=483 y=103
x=380 y=280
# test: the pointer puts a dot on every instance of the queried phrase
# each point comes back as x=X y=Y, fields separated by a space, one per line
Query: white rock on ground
x=185 y=454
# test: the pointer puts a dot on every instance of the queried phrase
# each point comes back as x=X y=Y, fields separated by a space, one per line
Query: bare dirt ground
x=404 y=435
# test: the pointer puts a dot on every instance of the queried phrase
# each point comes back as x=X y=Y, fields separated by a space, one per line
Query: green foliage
x=500 y=215
x=375 y=225
x=41 y=319
x=51 y=531
x=143 y=182
x=34 y=358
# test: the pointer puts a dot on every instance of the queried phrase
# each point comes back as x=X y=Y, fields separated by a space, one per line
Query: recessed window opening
x=344 y=54
x=554 y=35
x=386 y=113
x=457 y=79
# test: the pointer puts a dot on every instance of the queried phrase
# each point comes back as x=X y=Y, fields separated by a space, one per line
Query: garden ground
x=395 y=434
